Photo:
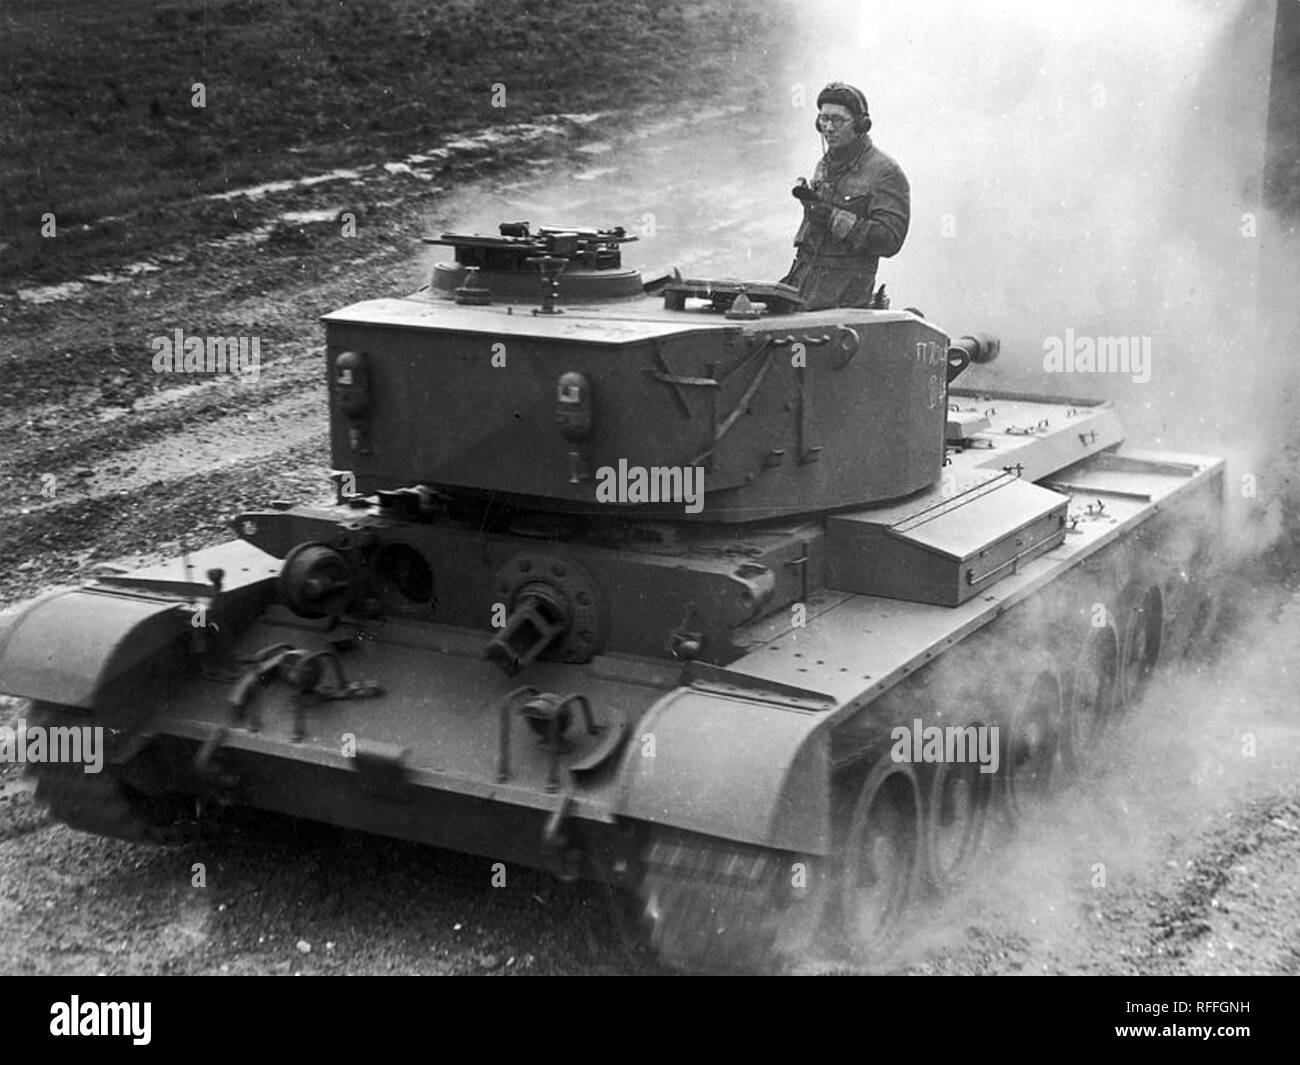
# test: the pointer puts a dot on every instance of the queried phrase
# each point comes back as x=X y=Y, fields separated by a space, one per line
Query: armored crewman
x=855 y=211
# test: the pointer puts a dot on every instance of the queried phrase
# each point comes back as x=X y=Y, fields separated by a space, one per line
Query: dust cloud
x=1095 y=168
x=1093 y=876
x=1098 y=168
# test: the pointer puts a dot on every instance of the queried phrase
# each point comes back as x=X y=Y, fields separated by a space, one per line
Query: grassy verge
x=98 y=125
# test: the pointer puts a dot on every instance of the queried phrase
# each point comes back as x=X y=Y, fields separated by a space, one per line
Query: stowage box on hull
x=947 y=543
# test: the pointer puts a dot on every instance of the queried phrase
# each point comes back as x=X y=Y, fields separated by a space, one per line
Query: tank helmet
x=839 y=92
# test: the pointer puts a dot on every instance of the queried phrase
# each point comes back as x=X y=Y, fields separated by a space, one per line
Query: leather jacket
x=868 y=183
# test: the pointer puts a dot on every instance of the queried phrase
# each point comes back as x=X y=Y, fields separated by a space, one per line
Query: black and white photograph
x=631 y=488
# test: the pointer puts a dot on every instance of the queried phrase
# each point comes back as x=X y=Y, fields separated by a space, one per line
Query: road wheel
x=880 y=858
x=956 y=814
x=1093 y=695
x=1143 y=633
x=1031 y=747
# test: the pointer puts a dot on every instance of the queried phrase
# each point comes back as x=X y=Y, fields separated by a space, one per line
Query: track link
x=710 y=902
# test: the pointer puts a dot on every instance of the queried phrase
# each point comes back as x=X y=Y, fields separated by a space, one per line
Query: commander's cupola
x=509 y=268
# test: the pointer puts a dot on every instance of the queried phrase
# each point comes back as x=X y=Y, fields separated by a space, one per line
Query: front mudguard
x=744 y=769
x=92 y=649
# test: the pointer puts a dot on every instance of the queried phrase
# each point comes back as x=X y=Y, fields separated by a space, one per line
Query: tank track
x=709 y=903
x=101 y=804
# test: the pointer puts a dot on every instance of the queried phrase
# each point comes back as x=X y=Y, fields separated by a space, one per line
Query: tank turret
x=537 y=370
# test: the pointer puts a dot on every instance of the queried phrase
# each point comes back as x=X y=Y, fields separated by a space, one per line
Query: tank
x=751 y=614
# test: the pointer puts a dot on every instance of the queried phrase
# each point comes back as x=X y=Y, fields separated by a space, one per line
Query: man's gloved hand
x=841 y=222
x=812 y=203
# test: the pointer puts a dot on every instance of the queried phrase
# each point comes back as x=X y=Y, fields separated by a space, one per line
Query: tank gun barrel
x=973 y=347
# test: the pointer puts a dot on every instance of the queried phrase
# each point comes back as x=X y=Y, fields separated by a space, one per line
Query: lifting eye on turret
x=351 y=386
x=573 y=406
x=574 y=413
